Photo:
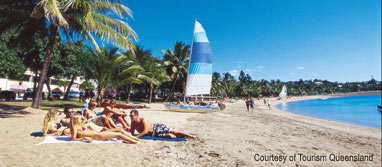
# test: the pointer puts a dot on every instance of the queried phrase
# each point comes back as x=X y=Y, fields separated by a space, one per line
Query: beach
x=232 y=137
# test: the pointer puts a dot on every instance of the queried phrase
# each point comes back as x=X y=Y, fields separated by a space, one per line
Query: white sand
x=228 y=138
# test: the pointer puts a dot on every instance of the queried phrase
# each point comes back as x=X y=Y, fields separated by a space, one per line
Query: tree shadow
x=7 y=111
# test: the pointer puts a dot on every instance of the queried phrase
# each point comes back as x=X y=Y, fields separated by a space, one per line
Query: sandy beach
x=228 y=138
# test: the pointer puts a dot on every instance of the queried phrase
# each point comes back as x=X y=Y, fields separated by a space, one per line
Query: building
x=28 y=81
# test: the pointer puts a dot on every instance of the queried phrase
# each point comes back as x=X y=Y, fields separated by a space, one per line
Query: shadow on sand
x=12 y=111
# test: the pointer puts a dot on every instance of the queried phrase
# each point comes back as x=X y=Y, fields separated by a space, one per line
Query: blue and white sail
x=199 y=76
x=283 y=92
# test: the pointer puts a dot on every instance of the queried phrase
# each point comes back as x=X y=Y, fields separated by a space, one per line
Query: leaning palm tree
x=176 y=63
x=86 y=18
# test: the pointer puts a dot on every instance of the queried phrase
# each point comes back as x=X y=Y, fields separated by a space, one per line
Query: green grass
x=44 y=104
x=60 y=104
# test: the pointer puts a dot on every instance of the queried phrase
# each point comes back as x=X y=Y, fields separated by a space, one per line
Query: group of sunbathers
x=88 y=125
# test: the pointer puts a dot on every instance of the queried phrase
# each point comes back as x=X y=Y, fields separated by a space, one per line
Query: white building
x=28 y=80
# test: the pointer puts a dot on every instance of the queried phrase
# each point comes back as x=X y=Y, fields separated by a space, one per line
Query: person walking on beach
x=269 y=104
x=247 y=103
x=252 y=103
x=154 y=130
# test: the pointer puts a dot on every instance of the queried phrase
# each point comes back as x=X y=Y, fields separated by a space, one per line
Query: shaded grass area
x=44 y=104
x=60 y=104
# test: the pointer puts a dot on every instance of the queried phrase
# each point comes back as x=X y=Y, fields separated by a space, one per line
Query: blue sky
x=337 y=40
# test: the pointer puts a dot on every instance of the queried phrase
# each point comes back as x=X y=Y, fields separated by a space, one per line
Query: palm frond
x=110 y=7
x=50 y=9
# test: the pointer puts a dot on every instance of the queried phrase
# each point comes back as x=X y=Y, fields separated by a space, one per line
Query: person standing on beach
x=269 y=104
x=252 y=103
x=247 y=103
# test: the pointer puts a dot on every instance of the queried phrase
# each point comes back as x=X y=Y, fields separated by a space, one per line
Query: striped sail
x=199 y=76
x=283 y=92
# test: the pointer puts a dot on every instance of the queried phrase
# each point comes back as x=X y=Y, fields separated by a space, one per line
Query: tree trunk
x=35 y=83
x=66 y=96
x=172 y=89
x=99 y=95
x=151 y=93
x=128 y=93
x=50 y=96
x=45 y=67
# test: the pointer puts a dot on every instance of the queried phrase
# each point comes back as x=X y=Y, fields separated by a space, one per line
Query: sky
x=335 y=40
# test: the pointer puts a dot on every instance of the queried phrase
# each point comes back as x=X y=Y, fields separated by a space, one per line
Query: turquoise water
x=358 y=110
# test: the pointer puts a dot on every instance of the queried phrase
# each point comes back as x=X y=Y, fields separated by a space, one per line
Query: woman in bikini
x=50 y=127
x=80 y=131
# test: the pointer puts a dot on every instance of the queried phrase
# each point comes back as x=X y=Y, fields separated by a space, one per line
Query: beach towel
x=67 y=139
x=163 y=139
x=39 y=133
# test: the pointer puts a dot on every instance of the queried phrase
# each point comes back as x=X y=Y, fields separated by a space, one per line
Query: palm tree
x=106 y=63
x=86 y=18
x=176 y=63
x=155 y=76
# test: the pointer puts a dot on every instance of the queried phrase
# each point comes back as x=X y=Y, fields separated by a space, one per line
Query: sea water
x=358 y=110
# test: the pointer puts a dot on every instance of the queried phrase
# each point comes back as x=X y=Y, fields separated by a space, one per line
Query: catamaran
x=199 y=77
x=283 y=92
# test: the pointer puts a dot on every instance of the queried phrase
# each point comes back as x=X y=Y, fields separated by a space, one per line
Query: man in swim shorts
x=154 y=130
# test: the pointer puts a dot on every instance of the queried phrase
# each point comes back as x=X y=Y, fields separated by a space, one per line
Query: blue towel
x=38 y=133
x=100 y=113
x=163 y=139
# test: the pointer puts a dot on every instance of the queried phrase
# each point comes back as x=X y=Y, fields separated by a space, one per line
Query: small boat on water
x=199 y=77
x=192 y=108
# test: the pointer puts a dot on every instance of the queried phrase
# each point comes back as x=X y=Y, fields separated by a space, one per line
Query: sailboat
x=199 y=77
x=283 y=92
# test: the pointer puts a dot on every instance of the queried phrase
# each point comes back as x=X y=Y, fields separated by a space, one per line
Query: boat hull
x=192 y=108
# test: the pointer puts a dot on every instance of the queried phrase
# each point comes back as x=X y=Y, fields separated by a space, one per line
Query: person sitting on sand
x=81 y=132
x=50 y=126
x=103 y=120
x=119 y=115
x=89 y=112
x=154 y=130
x=178 y=102
x=194 y=101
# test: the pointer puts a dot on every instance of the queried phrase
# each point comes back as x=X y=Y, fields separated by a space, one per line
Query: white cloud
x=249 y=70
x=300 y=68
x=234 y=72
x=260 y=67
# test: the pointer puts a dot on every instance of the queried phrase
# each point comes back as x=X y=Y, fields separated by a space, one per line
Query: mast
x=189 y=62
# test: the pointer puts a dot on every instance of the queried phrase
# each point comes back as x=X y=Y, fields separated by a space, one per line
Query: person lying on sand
x=85 y=132
x=103 y=120
x=50 y=126
x=156 y=130
x=119 y=115
x=68 y=111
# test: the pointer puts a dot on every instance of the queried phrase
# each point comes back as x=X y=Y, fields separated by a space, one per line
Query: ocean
x=357 y=110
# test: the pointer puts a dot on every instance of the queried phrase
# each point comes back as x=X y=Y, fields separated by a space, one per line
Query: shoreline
x=313 y=97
